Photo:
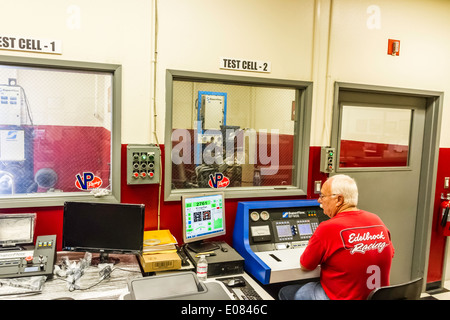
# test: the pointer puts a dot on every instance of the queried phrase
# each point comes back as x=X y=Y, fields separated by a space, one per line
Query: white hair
x=345 y=186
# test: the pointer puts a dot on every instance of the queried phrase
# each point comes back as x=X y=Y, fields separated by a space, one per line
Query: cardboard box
x=160 y=261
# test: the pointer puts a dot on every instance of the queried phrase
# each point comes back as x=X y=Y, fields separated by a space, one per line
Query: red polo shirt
x=354 y=251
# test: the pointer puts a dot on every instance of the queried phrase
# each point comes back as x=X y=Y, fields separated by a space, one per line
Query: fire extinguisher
x=445 y=209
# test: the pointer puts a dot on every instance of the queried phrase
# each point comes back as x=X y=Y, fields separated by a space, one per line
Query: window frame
x=373 y=96
x=302 y=134
x=58 y=199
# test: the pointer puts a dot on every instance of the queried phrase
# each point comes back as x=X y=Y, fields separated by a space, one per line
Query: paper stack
x=160 y=252
x=159 y=241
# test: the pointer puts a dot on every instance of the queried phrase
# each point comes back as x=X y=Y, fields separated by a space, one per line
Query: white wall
x=62 y=98
x=193 y=35
x=247 y=107
x=116 y=32
x=376 y=125
x=358 y=45
x=321 y=41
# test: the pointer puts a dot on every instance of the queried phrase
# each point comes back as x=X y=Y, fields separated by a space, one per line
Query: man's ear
x=340 y=200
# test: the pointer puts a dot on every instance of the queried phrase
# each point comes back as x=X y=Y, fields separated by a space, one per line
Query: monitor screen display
x=103 y=227
x=304 y=229
x=203 y=216
x=284 y=230
x=16 y=228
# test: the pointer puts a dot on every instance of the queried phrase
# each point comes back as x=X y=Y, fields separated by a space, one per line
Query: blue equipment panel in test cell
x=272 y=235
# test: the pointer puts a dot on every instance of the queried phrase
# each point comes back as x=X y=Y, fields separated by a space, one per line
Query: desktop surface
x=57 y=288
x=116 y=287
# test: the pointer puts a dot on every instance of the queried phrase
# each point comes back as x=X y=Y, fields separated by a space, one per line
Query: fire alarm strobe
x=393 y=47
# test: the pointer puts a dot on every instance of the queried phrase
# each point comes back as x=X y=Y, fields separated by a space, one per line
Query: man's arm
x=304 y=268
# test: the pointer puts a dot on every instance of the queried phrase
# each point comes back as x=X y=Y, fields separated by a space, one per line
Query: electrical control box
x=212 y=109
x=10 y=105
x=39 y=261
x=143 y=164
x=327 y=159
x=12 y=145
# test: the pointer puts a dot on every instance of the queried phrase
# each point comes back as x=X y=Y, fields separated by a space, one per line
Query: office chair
x=406 y=291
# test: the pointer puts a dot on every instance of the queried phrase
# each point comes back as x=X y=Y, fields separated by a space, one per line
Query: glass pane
x=227 y=135
x=55 y=130
x=374 y=137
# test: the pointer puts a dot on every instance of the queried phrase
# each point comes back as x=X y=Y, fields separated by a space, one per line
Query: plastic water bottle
x=202 y=268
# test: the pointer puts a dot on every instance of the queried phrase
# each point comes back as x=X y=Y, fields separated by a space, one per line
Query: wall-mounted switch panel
x=143 y=164
x=327 y=159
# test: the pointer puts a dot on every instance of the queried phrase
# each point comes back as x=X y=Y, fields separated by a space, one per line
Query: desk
x=224 y=279
x=226 y=266
x=109 y=289
x=113 y=288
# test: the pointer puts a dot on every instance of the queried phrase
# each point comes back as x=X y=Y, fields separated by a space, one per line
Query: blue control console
x=272 y=235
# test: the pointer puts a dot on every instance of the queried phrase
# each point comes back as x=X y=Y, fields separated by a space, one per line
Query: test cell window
x=59 y=130
x=238 y=135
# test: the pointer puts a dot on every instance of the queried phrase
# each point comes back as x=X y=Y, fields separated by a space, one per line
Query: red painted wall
x=49 y=219
x=55 y=146
x=170 y=211
x=437 y=245
x=357 y=154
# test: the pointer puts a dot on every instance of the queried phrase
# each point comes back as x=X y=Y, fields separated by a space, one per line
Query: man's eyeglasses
x=324 y=196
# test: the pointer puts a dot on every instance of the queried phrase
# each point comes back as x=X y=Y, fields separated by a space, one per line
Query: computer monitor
x=103 y=228
x=16 y=229
x=203 y=218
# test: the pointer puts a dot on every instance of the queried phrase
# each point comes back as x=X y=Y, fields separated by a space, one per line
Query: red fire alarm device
x=393 y=47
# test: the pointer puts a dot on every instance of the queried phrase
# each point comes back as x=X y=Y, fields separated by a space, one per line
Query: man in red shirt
x=353 y=248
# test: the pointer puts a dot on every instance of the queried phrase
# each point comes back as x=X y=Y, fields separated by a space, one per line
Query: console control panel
x=283 y=228
x=272 y=235
x=34 y=262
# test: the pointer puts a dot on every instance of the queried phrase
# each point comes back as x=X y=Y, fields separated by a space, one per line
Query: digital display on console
x=304 y=229
x=284 y=230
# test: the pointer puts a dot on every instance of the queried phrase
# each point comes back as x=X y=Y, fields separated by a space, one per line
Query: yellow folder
x=159 y=241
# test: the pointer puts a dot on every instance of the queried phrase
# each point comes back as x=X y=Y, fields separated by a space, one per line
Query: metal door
x=379 y=140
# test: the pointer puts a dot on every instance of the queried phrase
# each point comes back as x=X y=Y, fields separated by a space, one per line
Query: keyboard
x=245 y=292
